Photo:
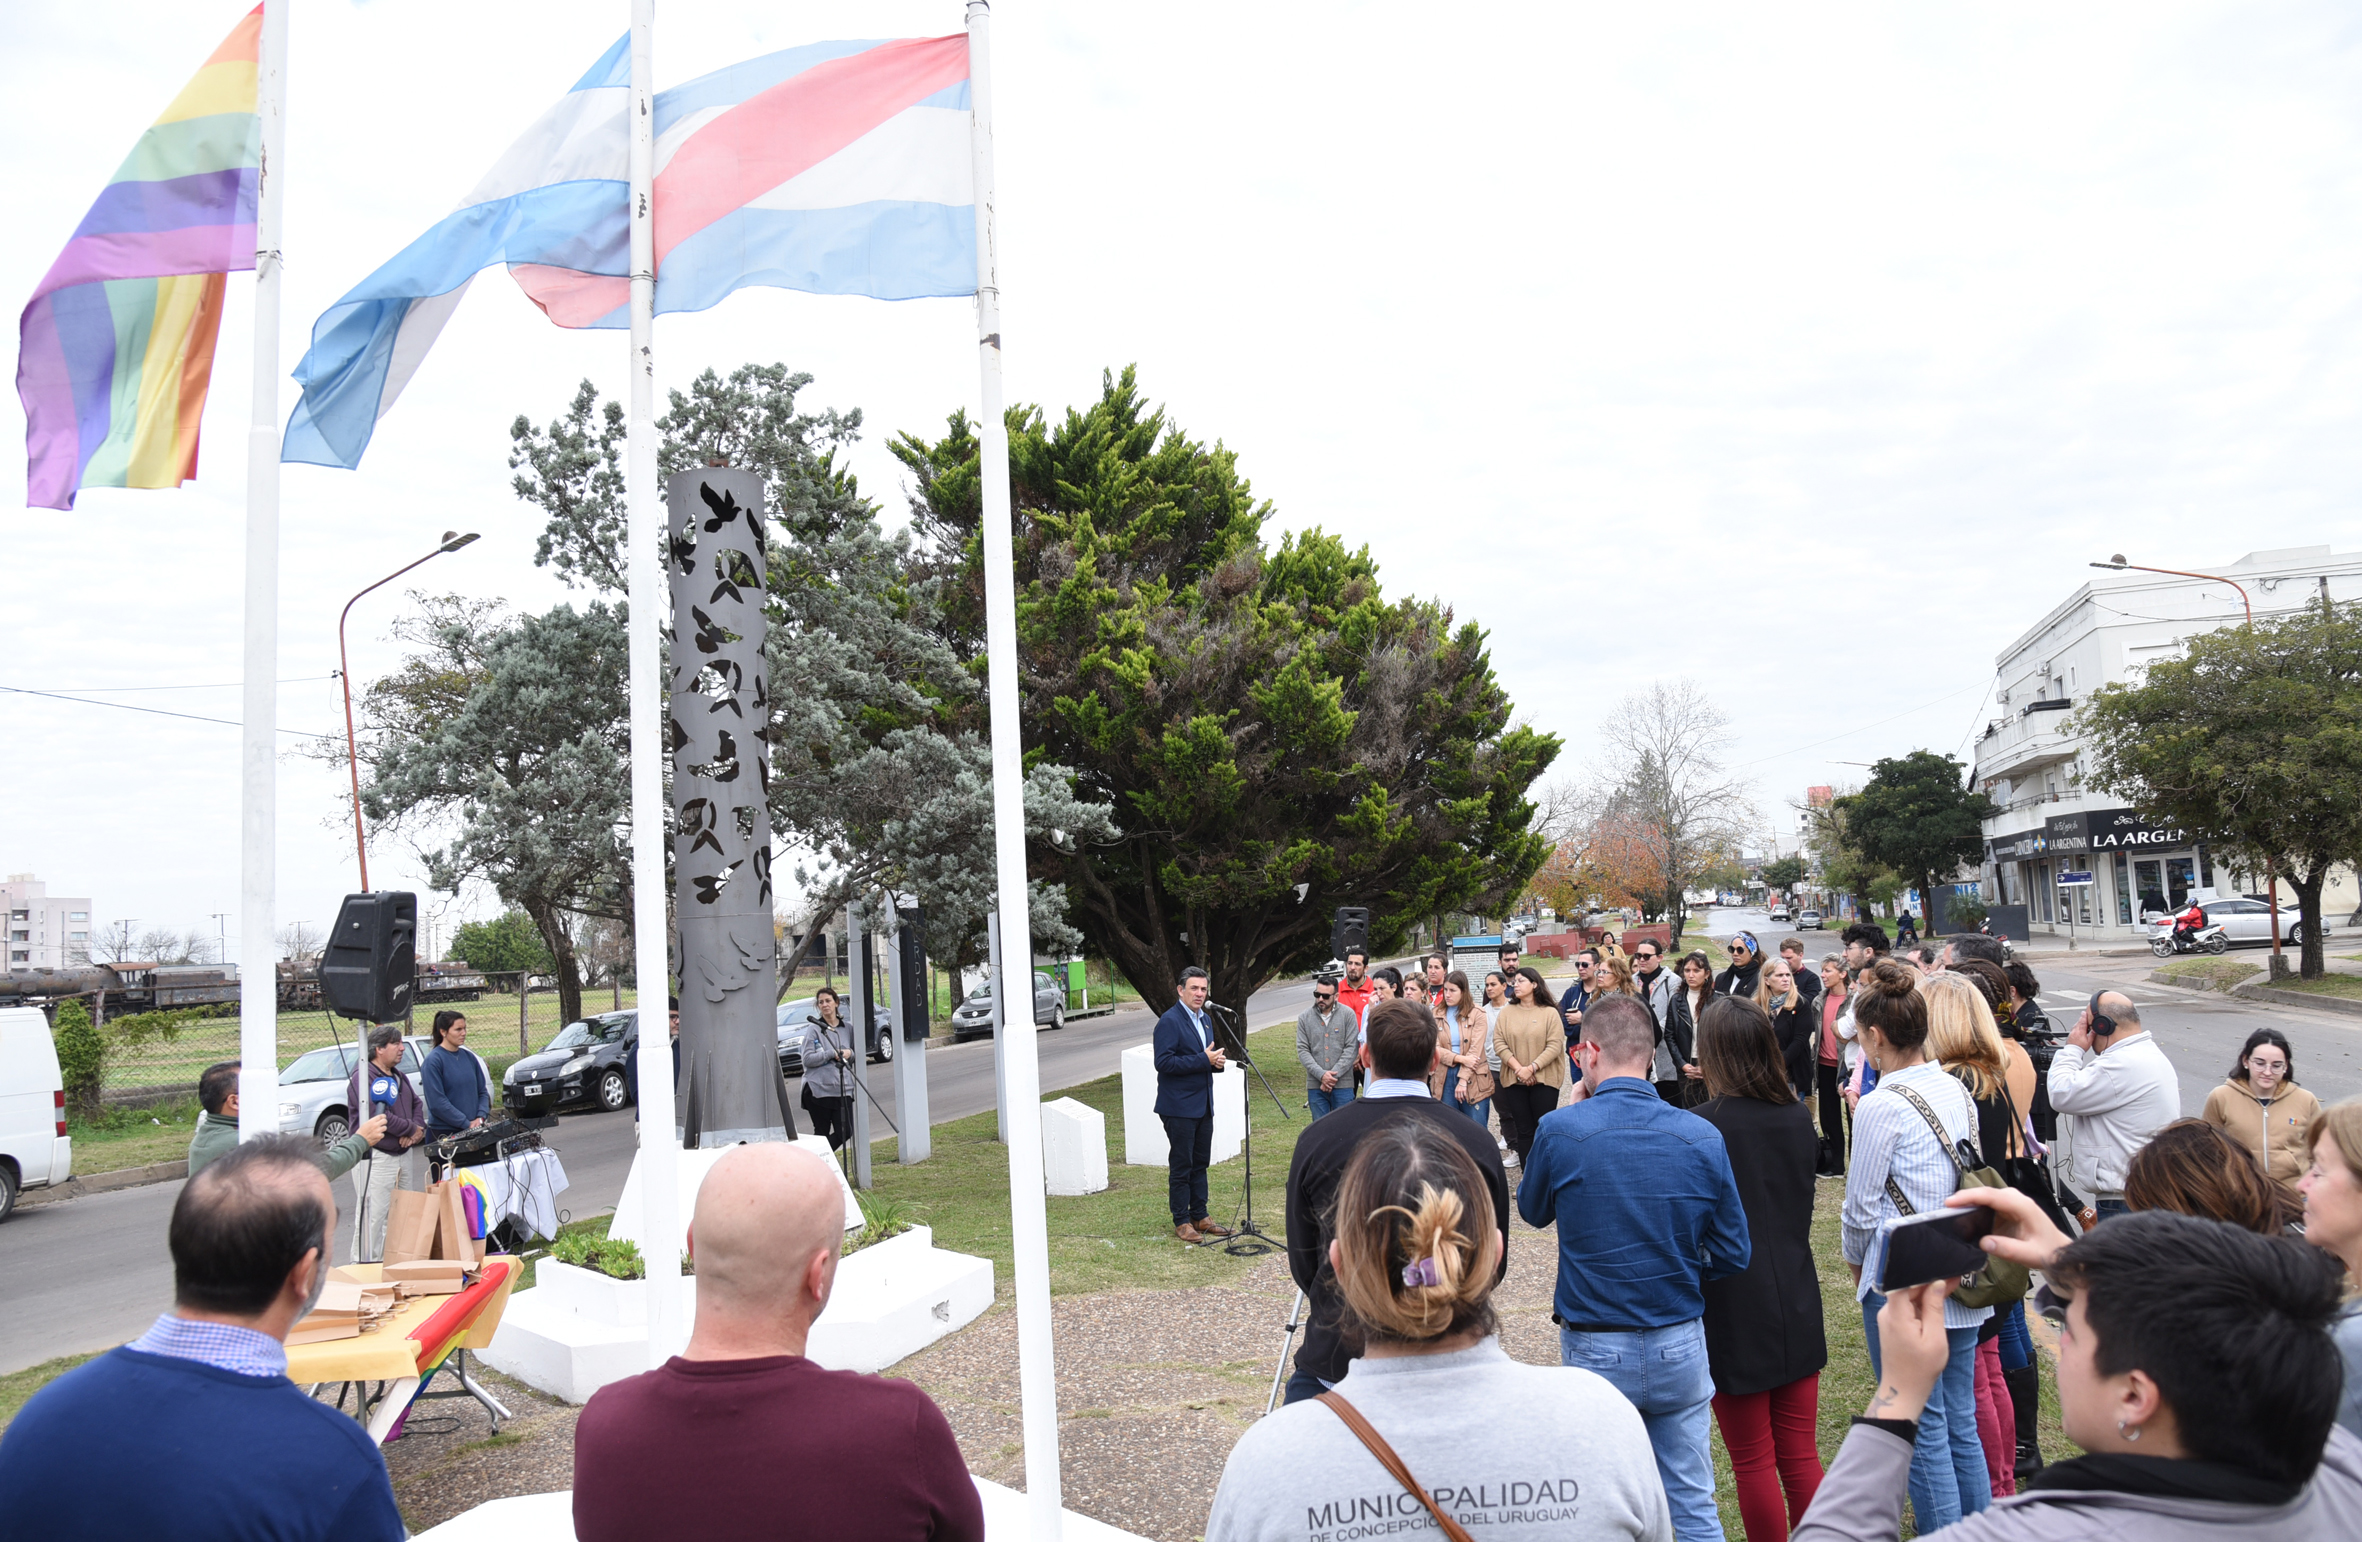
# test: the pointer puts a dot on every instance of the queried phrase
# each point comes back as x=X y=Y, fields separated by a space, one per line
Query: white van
x=35 y=1150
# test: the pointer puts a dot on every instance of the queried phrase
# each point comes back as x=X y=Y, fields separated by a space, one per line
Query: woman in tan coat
x=1532 y=1037
x=1462 y=1078
x=2260 y=1106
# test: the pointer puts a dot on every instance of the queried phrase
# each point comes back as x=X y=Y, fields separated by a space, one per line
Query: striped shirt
x=1891 y=1137
x=221 y=1345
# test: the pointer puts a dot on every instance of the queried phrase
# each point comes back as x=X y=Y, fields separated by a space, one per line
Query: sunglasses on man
x=1324 y=995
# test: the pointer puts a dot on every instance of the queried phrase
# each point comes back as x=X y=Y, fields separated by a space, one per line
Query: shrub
x=880 y=1219
x=81 y=1057
x=615 y=1257
x=1965 y=913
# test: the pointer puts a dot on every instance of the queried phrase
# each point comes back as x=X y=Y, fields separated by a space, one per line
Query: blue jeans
x=2109 y=1209
x=1482 y=1112
x=1328 y=1102
x=1948 y=1478
x=1662 y=1372
x=2017 y=1345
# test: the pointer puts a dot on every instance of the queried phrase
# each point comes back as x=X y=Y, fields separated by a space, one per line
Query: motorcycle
x=2165 y=942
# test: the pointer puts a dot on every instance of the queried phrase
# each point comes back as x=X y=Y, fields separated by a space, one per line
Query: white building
x=43 y=932
x=2050 y=821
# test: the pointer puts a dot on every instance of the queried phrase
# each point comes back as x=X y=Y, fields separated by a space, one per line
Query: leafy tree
x=529 y=772
x=2254 y=737
x=1918 y=816
x=1784 y=874
x=510 y=942
x=1844 y=868
x=1252 y=720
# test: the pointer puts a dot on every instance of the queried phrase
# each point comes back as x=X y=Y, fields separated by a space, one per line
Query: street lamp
x=2271 y=864
x=452 y=541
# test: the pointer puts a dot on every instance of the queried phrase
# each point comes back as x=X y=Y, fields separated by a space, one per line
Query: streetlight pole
x=452 y=541
x=2271 y=863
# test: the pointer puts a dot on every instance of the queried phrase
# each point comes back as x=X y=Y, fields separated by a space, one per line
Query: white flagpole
x=1037 y=1374
x=258 y=766
x=660 y=1142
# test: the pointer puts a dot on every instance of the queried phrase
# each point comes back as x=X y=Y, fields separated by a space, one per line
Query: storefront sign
x=2117 y=829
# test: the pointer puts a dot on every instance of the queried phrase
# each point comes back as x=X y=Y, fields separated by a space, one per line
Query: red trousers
x=1997 y=1427
x=1770 y=1437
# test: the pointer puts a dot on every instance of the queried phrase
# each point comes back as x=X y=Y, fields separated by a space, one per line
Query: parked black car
x=583 y=1064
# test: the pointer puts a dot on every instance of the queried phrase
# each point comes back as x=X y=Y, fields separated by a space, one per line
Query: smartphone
x=1939 y=1245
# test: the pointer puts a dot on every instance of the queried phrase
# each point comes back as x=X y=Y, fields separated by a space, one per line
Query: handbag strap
x=1894 y=1190
x=1370 y=1437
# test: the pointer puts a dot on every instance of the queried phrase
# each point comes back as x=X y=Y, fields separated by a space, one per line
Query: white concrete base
x=550 y=1518
x=1074 y=1147
x=690 y=1169
x=1144 y=1133
x=576 y=1330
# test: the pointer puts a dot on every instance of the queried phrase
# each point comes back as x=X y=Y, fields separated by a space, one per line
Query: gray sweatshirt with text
x=1514 y=1452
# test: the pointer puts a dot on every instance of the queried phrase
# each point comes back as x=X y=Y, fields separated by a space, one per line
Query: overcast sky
x=1808 y=351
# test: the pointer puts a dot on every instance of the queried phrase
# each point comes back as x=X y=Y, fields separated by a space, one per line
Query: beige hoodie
x=2275 y=1133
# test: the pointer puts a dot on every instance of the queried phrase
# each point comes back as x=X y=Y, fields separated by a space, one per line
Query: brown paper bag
x=410 y=1226
x=451 y=1237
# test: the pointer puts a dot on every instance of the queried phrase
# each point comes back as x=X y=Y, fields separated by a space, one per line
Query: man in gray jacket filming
x=2195 y=1367
x=1327 y=1047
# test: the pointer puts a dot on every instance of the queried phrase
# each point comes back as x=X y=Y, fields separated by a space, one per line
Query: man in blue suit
x=1186 y=1060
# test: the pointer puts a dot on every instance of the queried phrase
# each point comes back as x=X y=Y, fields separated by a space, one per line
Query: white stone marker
x=1144 y=1132
x=1074 y=1147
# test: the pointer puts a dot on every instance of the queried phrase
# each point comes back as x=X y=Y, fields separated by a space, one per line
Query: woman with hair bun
x=1414 y=1433
x=1894 y=1139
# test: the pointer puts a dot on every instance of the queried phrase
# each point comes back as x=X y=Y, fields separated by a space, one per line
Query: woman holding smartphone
x=1905 y=1129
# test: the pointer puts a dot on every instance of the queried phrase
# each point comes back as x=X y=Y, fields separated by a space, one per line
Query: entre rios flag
x=116 y=348
x=835 y=168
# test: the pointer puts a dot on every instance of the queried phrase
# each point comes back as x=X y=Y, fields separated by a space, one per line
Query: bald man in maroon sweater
x=740 y=1436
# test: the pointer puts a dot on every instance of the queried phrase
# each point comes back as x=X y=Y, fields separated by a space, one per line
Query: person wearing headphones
x=2113 y=1089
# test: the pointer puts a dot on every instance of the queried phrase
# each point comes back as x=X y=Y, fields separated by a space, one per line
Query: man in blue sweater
x=1647 y=1211
x=192 y=1431
x=458 y=1095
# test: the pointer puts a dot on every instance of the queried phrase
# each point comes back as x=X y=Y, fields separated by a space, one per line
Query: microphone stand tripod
x=1239 y=1246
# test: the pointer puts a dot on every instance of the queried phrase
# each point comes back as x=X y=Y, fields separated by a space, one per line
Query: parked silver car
x=972 y=1018
x=312 y=1088
x=2249 y=919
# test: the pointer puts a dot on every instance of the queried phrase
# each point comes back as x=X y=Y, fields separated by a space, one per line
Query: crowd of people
x=1671 y=1119
x=2197 y=1273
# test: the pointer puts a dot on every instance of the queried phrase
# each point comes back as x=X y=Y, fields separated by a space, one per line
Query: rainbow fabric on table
x=116 y=347
x=834 y=168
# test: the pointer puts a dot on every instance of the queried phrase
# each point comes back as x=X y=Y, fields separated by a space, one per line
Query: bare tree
x=163 y=945
x=112 y=943
x=1666 y=788
x=299 y=941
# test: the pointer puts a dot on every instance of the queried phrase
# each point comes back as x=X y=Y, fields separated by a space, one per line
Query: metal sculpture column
x=718 y=728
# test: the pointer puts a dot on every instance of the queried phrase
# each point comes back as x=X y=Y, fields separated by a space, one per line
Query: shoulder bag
x=2000 y=1281
x=1370 y=1437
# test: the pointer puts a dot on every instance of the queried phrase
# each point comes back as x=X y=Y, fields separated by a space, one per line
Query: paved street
x=92 y=1272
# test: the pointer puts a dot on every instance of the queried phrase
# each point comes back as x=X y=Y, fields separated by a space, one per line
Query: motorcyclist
x=2187 y=924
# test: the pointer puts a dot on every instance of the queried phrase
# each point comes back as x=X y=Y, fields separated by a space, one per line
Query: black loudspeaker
x=1351 y=933
x=371 y=963
x=912 y=987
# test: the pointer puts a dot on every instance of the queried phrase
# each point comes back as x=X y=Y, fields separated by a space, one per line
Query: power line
x=117 y=690
x=124 y=706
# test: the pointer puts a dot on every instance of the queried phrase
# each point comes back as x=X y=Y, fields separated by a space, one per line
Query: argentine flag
x=835 y=168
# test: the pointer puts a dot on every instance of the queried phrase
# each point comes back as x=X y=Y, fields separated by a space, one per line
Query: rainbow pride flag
x=116 y=348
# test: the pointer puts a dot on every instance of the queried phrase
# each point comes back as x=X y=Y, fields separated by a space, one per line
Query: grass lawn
x=2347 y=985
x=133 y=1137
x=2214 y=973
x=17 y=1386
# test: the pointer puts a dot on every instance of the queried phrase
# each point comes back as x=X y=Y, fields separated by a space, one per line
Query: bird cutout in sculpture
x=724 y=766
x=698 y=815
x=709 y=886
x=735 y=570
x=684 y=550
x=763 y=874
x=725 y=506
x=710 y=635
